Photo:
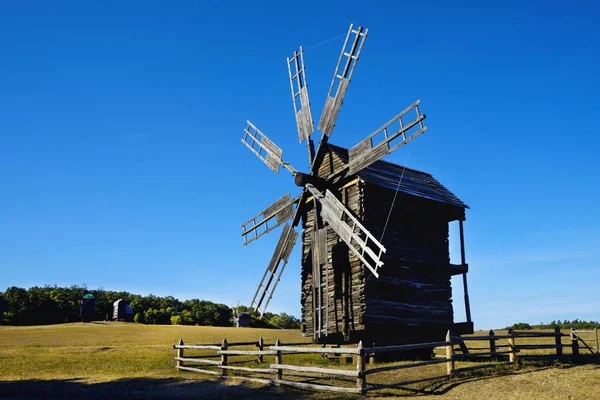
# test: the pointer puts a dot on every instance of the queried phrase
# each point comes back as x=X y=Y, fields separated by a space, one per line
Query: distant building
x=122 y=311
x=241 y=319
x=87 y=307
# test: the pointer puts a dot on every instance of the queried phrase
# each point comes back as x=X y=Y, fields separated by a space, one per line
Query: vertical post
x=574 y=343
x=361 y=380
x=224 y=357
x=558 y=341
x=596 y=331
x=512 y=356
x=179 y=363
x=463 y=262
x=278 y=360
x=492 y=344
x=449 y=353
x=261 y=345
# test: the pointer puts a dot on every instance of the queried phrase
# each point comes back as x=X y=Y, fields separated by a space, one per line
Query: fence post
x=574 y=343
x=492 y=344
x=224 y=357
x=558 y=341
x=361 y=379
x=179 y=363
x=512 y=356
x=278 y=360
x=261 y=345
x=596 y=331
x=449 y=353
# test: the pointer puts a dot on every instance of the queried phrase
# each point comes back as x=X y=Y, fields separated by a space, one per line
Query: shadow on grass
x=439 y=388
x=144 y=388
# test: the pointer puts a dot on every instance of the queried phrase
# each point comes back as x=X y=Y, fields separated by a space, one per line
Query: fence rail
x=517 y=348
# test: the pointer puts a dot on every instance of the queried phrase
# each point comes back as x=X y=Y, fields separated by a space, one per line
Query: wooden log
x=558 y=341
x=475 y=355
x=404 y=347
x=278 y=360
x=197 y=346
x=449 y=354
x=203 y=371
x=574 y=343
x=248 y=352
x=316 y=350
x=179 y=363
x=317 y=370
x=260 y=346
x=537 y=346
x=512 y=356
x=361 y=378
x=197 y=360
x=492 y=343
x=403 y=366
x=224 y=357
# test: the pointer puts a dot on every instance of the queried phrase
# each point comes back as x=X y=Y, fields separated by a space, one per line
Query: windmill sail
x=366 y=152
x=341 y=78
x=271 y=277
x=262 y=223
x=353 y=233
x=304 y=120
x=265 y=149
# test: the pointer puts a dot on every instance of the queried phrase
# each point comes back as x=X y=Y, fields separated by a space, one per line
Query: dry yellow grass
x=136 y=361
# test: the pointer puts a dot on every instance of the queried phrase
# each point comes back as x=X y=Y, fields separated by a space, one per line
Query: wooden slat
x=198 y=360
x=303 y=385
x=248 y=352
x=336 y=215
x=403 y=366
x=326 y=371
x=281 y=210
x=276 y=266
x=197 y=346
x=535 y=346
x=384 y=349
x=203 y=371
x=343 y=72
x=316 y=350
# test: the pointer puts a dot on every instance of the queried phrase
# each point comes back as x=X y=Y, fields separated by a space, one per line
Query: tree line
x=566 y=324
x=53 y=305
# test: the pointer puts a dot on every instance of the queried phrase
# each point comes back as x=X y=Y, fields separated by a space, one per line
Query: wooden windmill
x=354 y=286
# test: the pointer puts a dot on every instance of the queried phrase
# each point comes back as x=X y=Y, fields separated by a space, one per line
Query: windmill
x=336 y=241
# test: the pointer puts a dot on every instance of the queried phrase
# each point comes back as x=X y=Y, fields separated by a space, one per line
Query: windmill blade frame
x=335 y=214
x=365 y=152
x=299 y=87
x=342 y=77
x=282 y=210
x=265 y=149
x=276 y=266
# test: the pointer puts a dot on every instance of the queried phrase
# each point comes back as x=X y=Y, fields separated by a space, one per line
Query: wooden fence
x=498 y=350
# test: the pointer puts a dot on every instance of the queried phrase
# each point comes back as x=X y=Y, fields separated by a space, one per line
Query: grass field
x=107 y=360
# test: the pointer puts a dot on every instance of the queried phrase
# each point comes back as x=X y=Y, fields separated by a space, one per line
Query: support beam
x=463 y=262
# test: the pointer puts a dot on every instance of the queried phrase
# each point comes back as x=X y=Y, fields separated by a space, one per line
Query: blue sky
x=121 y=164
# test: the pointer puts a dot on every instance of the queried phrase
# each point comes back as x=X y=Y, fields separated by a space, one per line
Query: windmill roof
x=412 y=181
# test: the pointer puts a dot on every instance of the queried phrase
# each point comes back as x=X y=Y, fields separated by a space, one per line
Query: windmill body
x=375 y=259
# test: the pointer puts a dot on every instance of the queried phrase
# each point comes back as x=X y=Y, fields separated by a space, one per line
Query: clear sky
x=121 y=164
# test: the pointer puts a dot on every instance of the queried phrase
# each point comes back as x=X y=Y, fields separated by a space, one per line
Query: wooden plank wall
x=349 y=286
x=414 y=286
